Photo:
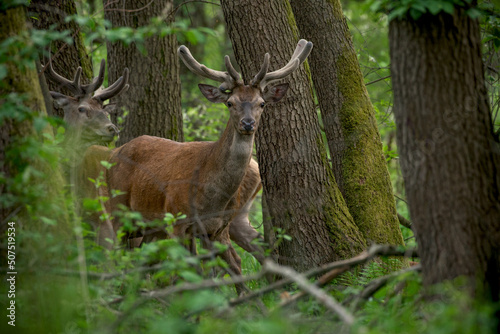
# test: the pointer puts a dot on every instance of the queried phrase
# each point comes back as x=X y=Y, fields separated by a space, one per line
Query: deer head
x=84 y=113
x=245 y=102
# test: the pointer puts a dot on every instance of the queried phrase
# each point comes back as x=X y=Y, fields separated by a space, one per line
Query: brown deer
x=87 y=123
x=84 y=114
x=203 y=179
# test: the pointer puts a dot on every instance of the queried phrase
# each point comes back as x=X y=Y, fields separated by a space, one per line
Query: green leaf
x=397 y=13
x=474 y=13
x=3 y=71
x=107 y=164
x=48 y=221
x=91 y=204
x=419 y=7
x=434 y=7
x=448 y=8
x=190 y=276
x=415 y=14
x=39 y=124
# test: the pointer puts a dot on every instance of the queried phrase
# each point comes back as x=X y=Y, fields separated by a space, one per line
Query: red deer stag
x=87 y=122
x=84 y=114
x=213 y=183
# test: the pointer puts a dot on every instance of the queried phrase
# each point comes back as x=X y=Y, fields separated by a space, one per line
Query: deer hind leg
x=105 y=233
x=232 y=259
x=242 y=232
x=245 y=235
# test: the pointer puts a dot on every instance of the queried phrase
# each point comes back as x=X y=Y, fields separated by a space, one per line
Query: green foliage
x=416 y=8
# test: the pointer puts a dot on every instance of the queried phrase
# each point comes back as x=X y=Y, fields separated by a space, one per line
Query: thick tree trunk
x=12 y=22
x=42 y=192
x=66 y=58
x=299 y=186
x=153 y=99
x=351 y=129
x=447 y=152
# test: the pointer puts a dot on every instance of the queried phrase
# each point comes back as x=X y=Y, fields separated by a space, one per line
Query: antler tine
x=232 y=72
x=98 y=80
x=262 y=73
x=73 y=86
x=116 y=88
x=194 y=66
x=299 y=55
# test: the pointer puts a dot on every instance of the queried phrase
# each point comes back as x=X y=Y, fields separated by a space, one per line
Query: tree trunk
x=449 y=159
x=12 y=22
x=66 y=58
x=30 y=180
x=153 y=99
x=351 y=128
x=299 y=186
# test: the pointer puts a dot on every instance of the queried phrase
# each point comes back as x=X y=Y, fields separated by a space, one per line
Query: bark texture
x=351 y=129
x=154 y=97
x=299 y=186
x=449 y=159
x=12 y=22
x=66 y=58
x=34 y=188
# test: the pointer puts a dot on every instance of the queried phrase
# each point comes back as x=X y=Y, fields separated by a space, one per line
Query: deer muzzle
x=247 y=124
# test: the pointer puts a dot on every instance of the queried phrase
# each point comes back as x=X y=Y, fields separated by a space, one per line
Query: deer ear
x=111 y=108
x=60 y=99
x=213 y=94
x=275 y=93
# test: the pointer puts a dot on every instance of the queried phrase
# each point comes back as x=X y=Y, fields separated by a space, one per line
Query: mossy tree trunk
x=154 y=97
x=66 y=58
x=351 y=129
x=33 y=186
x=449 y=158
x=299 y=186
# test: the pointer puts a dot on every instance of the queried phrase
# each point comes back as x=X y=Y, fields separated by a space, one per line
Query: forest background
x=64 y=282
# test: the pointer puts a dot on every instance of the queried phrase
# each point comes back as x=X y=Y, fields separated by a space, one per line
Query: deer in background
x=213 y=183
x=86 y=118
x=87 y=123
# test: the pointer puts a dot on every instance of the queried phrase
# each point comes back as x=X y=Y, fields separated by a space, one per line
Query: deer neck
x=233 y=151
x=229 y=159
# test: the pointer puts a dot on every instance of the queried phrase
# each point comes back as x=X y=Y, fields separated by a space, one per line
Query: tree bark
x=66 y=58
x=449 y=159
x=30 y=180
x=153 y=99
x=351 y=128
x=299 y=186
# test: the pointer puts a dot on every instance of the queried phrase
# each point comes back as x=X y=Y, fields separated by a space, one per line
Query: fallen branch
x=323 y=280
x=375 y=250
x=291 y=276
x=311 y=289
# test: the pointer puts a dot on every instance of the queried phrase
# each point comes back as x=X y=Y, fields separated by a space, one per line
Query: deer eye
x=82 y=109
x=229 y=104
x=262 y=105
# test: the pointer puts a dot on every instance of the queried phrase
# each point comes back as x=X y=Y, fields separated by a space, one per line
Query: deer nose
x=248 y=124
x=113 y=130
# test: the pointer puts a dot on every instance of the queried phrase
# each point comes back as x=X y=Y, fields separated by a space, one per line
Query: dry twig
x=311 y=289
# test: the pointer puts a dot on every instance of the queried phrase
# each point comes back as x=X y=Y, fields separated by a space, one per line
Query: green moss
x=341 y=227
x=367 y=188
x=291 y=20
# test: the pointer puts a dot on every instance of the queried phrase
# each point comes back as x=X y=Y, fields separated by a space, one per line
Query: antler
x=73 y=86
x=116 y=88
x=80 y=90
x=300 y=54
x=229 y=79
